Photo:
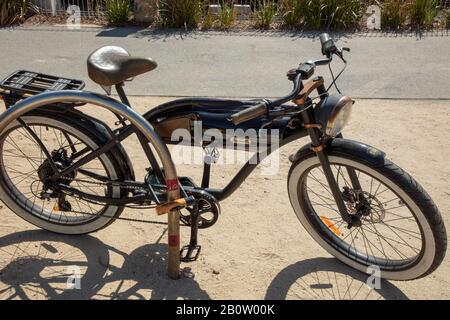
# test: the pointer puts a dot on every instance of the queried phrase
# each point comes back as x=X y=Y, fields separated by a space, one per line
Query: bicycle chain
x=97 y=203
x=113 y=184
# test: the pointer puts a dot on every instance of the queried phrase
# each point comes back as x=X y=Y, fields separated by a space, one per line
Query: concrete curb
x=235 y=33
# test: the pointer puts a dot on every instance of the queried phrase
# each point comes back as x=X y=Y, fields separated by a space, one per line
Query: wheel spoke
x=388 y=232
x=19 y=145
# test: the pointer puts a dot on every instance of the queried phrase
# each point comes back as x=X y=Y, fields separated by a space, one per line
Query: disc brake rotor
x=375 y=214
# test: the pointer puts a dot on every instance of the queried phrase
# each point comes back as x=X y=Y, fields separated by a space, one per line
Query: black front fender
x=344 y=147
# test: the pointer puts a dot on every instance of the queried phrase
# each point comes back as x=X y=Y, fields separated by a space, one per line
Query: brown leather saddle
x=112 y=65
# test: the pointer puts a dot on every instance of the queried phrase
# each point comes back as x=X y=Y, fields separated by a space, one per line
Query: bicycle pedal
x=190 y=253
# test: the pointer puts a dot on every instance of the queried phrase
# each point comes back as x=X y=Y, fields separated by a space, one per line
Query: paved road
x=248 y=64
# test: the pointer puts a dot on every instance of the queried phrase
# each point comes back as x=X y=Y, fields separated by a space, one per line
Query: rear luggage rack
x=31 y=83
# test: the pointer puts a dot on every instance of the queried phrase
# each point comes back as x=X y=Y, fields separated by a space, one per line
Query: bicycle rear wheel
x=23 y=168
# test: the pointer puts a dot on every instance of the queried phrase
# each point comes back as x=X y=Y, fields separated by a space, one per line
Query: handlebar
x=249 y=113
x=263 y=108
x=328 y=49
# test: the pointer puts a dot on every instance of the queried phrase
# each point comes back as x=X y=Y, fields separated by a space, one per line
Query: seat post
x=121 y=93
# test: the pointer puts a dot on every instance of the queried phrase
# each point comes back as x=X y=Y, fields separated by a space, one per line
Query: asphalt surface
x=245 y=64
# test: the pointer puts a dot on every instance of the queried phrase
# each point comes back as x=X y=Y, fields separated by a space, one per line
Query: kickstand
x=191 y=252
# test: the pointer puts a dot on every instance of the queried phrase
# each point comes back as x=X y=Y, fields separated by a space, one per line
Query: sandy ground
x=257 y=249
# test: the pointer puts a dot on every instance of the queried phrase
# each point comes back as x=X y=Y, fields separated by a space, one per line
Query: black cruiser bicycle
x=67 y=172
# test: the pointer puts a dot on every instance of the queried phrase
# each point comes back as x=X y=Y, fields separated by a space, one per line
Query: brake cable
x=336 y=78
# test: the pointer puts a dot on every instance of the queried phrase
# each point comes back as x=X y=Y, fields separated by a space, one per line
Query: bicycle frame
x=167 y=176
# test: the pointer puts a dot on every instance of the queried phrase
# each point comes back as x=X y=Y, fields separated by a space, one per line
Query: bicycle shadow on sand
x=37 y=265
x=328 y=279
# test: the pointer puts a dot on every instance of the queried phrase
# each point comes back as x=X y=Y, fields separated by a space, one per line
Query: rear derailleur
x=49 y=190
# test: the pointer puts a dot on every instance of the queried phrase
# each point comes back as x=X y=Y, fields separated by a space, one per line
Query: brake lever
x=340 y=54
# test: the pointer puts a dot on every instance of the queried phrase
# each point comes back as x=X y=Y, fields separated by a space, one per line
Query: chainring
x=208 y=210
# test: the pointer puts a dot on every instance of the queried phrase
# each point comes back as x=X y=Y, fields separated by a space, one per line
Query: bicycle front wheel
x=401 y=231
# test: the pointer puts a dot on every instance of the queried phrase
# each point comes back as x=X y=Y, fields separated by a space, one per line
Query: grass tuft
x=265 y=14
x=118 y=12
x=181 y=13
x=13 y=11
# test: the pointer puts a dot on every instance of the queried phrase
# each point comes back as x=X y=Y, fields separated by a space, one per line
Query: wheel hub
x=45 y=170
x=363 y=206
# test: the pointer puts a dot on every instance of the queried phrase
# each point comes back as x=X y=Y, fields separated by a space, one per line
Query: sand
x=257 y=249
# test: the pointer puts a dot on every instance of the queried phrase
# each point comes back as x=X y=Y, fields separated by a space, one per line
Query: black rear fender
x=94 y=128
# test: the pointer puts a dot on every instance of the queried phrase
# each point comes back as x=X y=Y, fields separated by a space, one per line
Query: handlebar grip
x=249 y=114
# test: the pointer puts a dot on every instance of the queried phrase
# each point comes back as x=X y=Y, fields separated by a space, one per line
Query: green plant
x=12 y=11
x=447 y=21
x=345 y=14
x=423 y=12
x=181 y=13
x=208 y=19
x=322 y=14
x=226 y=16
x=313 y=13
x=291 y=12
x=394 y=14
x=117 y=11
x=266 y=13
x=332 y=14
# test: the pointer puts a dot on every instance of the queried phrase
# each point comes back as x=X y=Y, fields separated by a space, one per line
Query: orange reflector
x=56 y=208
x=331 y=226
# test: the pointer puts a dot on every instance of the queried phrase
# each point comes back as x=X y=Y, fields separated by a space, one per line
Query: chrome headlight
x=333 y=113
